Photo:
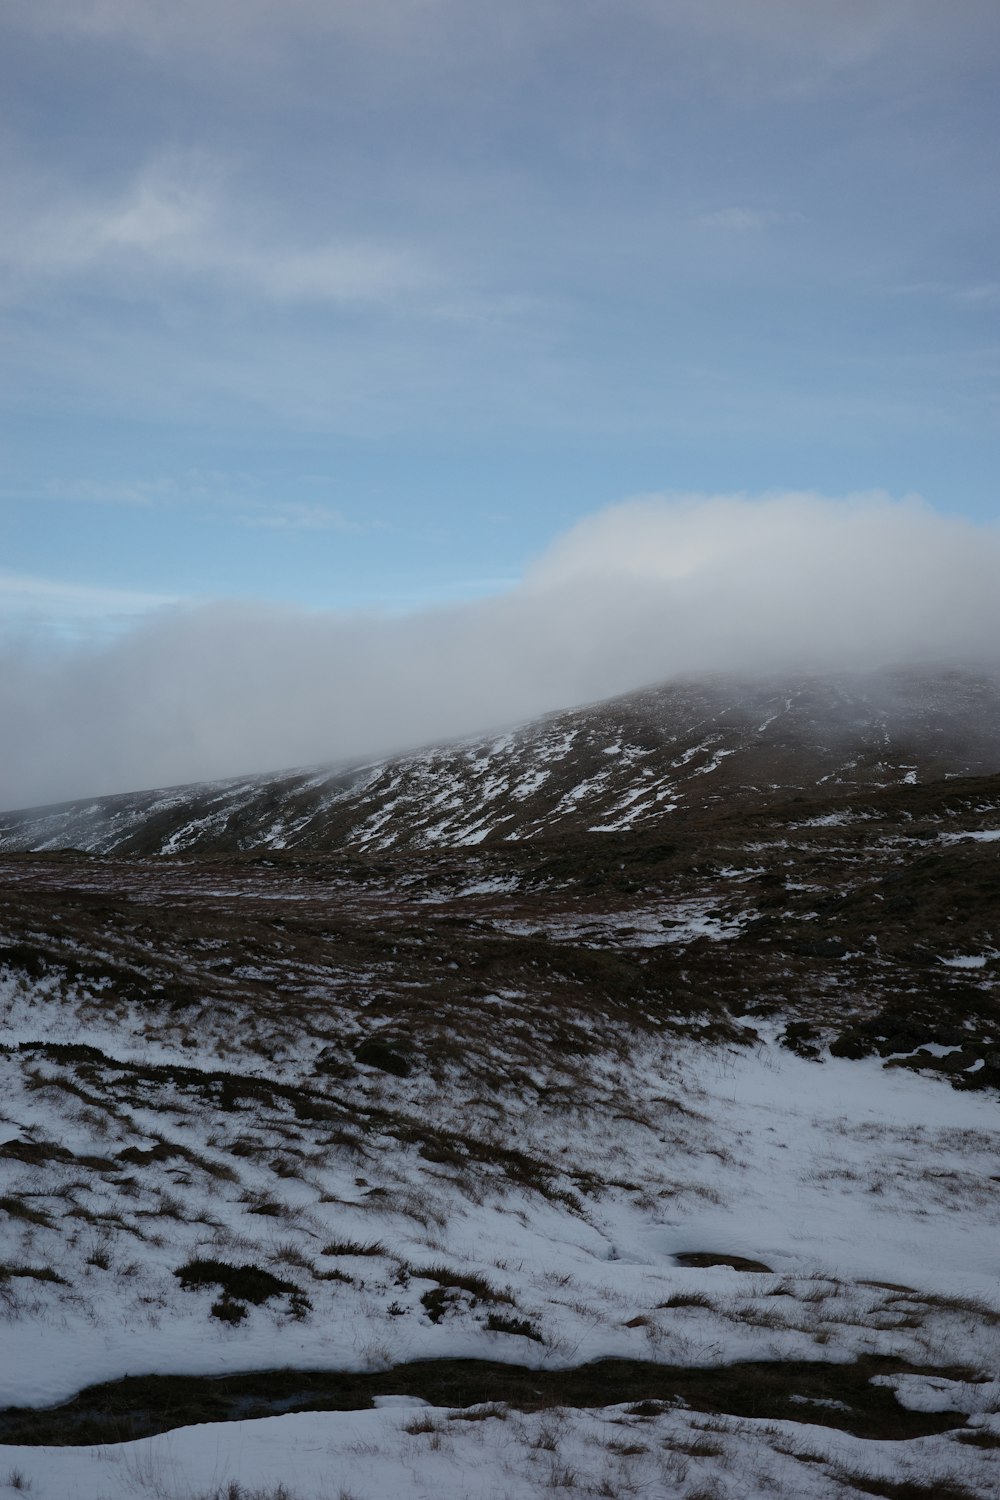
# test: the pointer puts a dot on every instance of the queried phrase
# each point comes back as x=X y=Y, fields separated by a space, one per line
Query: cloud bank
x=645 y=590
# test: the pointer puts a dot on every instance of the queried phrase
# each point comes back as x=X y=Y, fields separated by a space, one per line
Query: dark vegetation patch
x=519 y=1327
x=40 y=1153
x=247 y=1283
x=97 y=1076
x=477 y=1286
x=335 y=1274
x=645 y=1409
x=228 y=1311
x=903 y=1035
x=240 y=1285
x=447 y=1296
x=707 y=1258
x=17 y=1208
x=909 y=1489
x=32 y=1273
x=332 y=1064
x=438 y=1302
x=388 y=1057
x=980 y=1437
x=422 y=1427
x=354 y=1247
x=802 y=1037
x=780 y=1391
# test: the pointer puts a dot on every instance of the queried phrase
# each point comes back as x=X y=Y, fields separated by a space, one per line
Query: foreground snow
x=869 y=1193
x=406 y=1448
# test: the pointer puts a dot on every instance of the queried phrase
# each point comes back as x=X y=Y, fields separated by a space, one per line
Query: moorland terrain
x=603 y=1107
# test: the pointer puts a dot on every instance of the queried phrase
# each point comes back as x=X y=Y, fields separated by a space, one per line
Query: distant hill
x=666 y=753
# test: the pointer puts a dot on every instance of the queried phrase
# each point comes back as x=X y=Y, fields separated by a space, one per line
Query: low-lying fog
x=642 y=591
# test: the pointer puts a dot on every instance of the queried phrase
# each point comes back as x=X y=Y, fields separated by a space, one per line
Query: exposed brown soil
x=707 y=1258
x=844 y=930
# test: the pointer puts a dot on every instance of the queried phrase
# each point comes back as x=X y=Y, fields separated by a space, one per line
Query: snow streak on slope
x=627 y=764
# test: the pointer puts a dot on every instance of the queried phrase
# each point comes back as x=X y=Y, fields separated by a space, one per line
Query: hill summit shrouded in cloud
x=671 y=755
x=640 y=592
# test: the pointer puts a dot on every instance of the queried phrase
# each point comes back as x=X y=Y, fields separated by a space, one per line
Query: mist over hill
x=643 y=592
x=640 y=762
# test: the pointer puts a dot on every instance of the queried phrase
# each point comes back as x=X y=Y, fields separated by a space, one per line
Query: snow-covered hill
x=632 y=763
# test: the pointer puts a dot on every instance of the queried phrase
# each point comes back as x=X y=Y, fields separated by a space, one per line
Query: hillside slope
x=668 y=752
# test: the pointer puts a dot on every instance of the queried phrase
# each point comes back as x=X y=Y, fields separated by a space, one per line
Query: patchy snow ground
x=837 y=1173
x=869 y=1193
x=490 y=1453
x=668 y=922
x=583 y=1161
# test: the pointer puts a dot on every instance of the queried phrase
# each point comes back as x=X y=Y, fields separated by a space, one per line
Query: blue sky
x=348 y=304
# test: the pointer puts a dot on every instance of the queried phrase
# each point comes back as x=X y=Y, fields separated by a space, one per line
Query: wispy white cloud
x=177 y=220
x=118 y=492
x=199 y=488
x=980 y=294
x=742 y=220
x=301 y=516
x=973 y=294
x=30 y=604
x=211 y=492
